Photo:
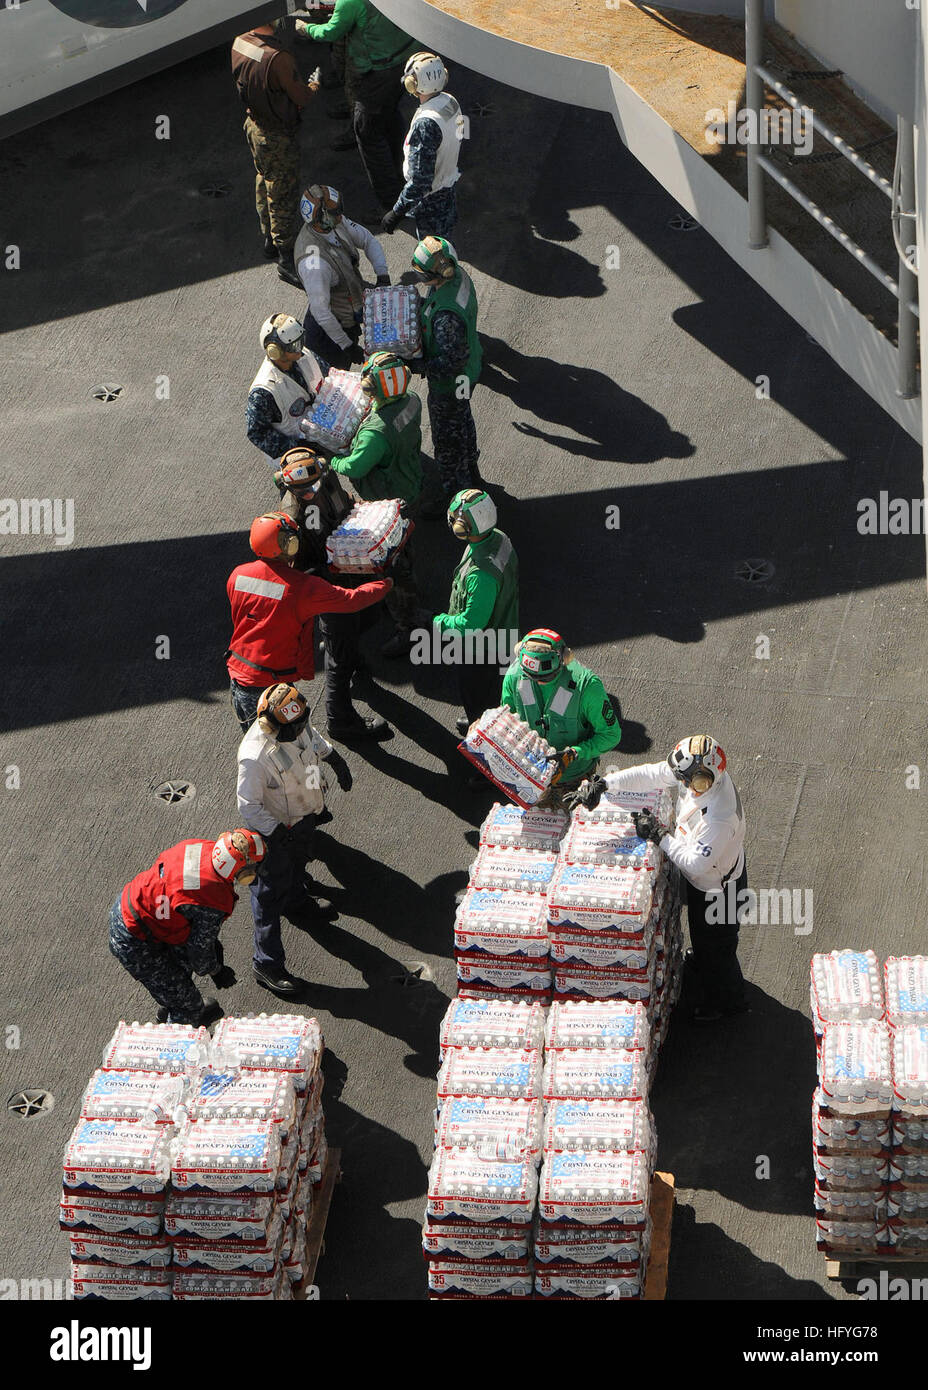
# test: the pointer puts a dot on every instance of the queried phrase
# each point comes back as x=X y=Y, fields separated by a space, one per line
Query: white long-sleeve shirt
x=319 y=279
x=707 y=844
x=280 y=783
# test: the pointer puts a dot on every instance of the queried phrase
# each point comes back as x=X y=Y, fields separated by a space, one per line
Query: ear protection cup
x=702 y=782
x=291 y=545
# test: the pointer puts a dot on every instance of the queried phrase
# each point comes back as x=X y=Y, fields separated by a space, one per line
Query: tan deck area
x=685 y=65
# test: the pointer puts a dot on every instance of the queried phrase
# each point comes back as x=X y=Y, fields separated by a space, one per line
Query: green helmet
x=435 y=258
x=541 y=654
x=471 y=514
x=385 y=376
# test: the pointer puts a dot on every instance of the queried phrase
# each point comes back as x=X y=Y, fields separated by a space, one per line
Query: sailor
x=284 y=387
x=430 y=152
x=327 y=259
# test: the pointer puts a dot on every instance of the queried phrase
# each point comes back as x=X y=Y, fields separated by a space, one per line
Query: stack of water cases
x=870 y=1110
x=391 y=320
x=500 y=931
x=614 y=911
x=337 y=411
x=593 y=1228
x=117 y=1164
x=196 y=1181
x=511 y=754
x=483 y=1181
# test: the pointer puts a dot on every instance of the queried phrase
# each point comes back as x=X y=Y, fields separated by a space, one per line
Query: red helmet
x=238 y=852
x=274 y=535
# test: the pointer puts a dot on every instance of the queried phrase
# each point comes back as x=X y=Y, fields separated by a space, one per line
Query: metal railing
x=901 y=193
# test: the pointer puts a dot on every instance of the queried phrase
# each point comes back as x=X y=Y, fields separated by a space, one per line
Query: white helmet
x=281 y=333
x=698 y=762
x=425 y=75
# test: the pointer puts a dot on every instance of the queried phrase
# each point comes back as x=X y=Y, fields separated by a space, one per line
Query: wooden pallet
x=315 y=1233
x=662 y=1194
x=847 y=1266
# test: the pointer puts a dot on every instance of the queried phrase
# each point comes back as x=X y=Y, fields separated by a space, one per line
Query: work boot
x=270 y=250
x=210 y=1012
x=286 y=270
x=276 y=978
x=398 y=645
x=357 y=727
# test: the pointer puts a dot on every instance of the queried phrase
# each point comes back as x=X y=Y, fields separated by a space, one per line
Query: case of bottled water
x=491 y=1023
x=595 y=982
x=843 y=1134
x=117 y=1283
x=617 y=1126
x=290 y=1043
x=164 y=1047
x=910 y=1065
x=906 y=986
x=574 y=1074
x=518 y=870
x=519 y=828
x=502 y=923
x=499 y=1128
x=150 y=1097
x=851 y=1206
x=587 y=1024
x=209 y=1216
x=610 y=842
x=118 y=1156
x=259 y=1256
x=368 y=540
x=464 y=1183
x=846 y=986
x=463 y=1279
x=855 y=1064
x=618 y=805
x=592 y=1187
x=597 y=1282
x=507 y=975
x=851 y=1172
x=909 y=1206
x=243 y=1095
x=474 y=1071
x=337 y=411
x=599 y=897
x=909 y=1239
x=594 y=1245
x=442 y=1240
x=226 y=1156
x=910 y=1128
x=391 y=320
x=601 y=949
x=507 y=751
x=909 y=1169
x=213 y=1286
x=849 y=1237
x=99 y=1247
x=92 y=1211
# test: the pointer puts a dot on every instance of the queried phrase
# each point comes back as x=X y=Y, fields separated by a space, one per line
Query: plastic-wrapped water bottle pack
x=391 y=320
x=846 y=986
x=906 y=989
x=619 y=805
x=368 y=539
x=193 y=1175
x=501 y=922
x=518 y=827
x=491 y=1023
x=610 y=842
x=507 y=751
x=506 y=1129
x=337 y=411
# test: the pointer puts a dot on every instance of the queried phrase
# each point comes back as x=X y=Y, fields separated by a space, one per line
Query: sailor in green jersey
x=484 y=605
x=564 y=702
x=385 y=461
x=451 y=361
x=376 y=51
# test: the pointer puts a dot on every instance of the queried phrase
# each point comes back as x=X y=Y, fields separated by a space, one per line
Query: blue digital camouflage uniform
x=262 y=416
x=454 y=434
x=167 y=971
x=435 y=213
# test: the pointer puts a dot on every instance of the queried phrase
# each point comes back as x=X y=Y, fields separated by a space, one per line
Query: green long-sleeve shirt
x=367 y=451
x=373 y=40
x=480 y=592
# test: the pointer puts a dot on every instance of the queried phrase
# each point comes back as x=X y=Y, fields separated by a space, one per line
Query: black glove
x=587 y=794
x=224 y=978
x=341 y=769
x=356 y=353
x=416 y=365
x=390 y=221
x=382 y=280
x=647 y=827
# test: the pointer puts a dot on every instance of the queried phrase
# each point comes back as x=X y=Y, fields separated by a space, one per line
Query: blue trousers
x=245 y=702
x=281 y=884
x=162 y=969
